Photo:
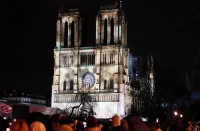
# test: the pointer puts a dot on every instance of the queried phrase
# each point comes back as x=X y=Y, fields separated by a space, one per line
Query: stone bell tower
x=66 y=53
x=111 y=25
x=69 y=29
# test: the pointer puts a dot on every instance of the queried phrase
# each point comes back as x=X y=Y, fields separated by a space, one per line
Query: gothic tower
x=111 y=25
x=69 y=29
x=68 y=41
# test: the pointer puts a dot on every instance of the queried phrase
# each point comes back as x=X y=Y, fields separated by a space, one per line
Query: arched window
x=72 y=34
x=105 y=32
x=81 y=58
x=93 y=55
x=111 y=84
x=89 y=59
x=112 y=32
x=105 y=83
x=64 y=85
x=71 y=85
x=66 y=34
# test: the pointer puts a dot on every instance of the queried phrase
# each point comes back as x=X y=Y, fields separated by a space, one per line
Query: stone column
x=116 y=55
x=61 y=60
x=121 y=100
x=97 y=57
x=101 y=62
x=62 y=34
x=124 y=60
x=108 y=57
x=76 y=33
x=56 y=59
x=72 y=58
x=120 y=31
x=69 y=34
x=79 y=32
x=123 y=32
x=113 y=59
x=68 y=60
x=79 y=59
x=108 y=31
x=125 y=29
x=58 y=34
x=97 y=31
x=116 y=34
x=104 y=58
x=102 y=31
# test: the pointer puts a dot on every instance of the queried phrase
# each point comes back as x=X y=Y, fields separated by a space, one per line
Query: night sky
x=170 y=30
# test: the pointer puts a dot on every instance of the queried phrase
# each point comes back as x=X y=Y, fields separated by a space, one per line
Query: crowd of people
x=58 y=122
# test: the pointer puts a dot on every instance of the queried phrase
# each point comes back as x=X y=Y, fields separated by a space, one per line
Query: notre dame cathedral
x=101 y=71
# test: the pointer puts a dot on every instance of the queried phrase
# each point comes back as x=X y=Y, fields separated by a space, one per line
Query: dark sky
x=169 y=29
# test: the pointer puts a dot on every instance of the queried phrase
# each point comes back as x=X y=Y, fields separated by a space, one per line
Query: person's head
x=75 y=122
x=92 y=121
x=157 y=125
x=37 y=126
x=116 y=121
x=65 y=127
x=55 y=122
x=19 y=125
x=124 y=125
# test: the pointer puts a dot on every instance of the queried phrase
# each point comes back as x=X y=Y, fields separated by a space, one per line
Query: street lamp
x=181 y=115
x=175 y=113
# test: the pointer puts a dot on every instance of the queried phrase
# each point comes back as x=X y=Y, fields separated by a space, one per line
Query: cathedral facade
x=101 y=71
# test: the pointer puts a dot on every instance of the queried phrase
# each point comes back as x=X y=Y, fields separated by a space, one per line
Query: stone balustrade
x=95 y=97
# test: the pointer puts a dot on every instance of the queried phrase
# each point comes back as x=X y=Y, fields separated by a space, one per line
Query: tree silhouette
x=86 y=104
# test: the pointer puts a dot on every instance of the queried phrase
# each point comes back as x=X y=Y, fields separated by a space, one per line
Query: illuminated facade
x=101 y=70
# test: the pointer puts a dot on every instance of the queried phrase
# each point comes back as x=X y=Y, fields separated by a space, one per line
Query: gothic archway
x=72 y=34
x=111 y=84
x=71 y=85
x=64 y=85
x=112 y=32
x=66 y=34
x=105 y=32
x=105 y=83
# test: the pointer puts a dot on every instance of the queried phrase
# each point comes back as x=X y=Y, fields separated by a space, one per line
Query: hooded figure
x=37 y=126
